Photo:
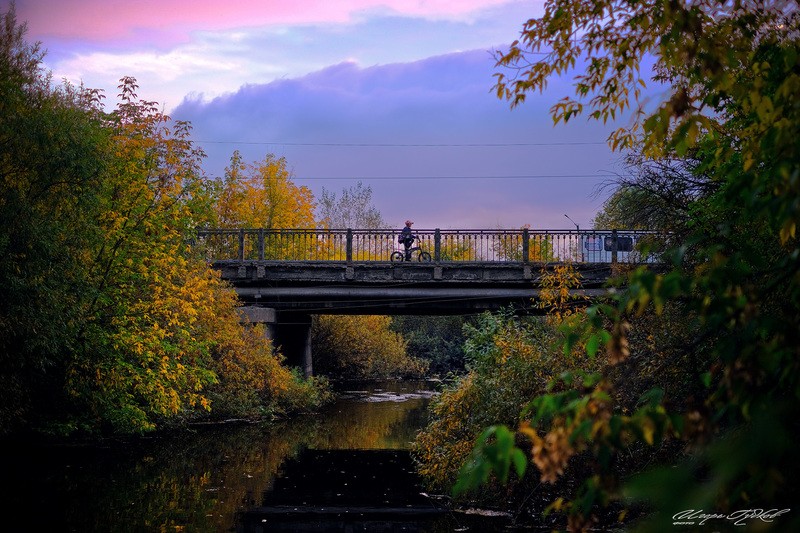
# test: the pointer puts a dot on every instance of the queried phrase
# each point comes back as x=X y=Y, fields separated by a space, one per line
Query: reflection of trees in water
x=196 y=480
x=370 y=425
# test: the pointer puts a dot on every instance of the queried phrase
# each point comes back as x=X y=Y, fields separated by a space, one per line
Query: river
x=347 y=468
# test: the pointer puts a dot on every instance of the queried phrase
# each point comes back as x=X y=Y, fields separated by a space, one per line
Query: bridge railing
x=467 y=245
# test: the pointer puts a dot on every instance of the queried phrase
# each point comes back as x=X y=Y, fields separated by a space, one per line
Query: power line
x=409 y=178
x=406 y=145
x=511 y=177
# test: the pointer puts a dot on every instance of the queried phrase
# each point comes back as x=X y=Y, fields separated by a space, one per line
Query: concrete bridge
x=283 y=277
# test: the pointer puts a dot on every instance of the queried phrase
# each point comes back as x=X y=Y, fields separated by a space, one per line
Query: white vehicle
x=599 y=247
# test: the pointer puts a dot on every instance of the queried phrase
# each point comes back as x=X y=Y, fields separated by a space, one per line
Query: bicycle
x=400 y=256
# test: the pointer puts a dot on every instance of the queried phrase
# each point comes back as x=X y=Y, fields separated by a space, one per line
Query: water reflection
x=198 y=480
x=384 y=415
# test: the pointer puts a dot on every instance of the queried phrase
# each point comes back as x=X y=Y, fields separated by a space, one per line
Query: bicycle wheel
x=424 y=257
x=397 y=257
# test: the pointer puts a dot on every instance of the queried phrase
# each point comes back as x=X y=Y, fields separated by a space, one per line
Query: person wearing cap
x=407 y=238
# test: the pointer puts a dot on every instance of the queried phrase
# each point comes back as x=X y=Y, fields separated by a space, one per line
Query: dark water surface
x=345 y=469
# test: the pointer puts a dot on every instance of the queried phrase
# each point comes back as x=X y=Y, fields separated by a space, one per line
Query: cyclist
x=407 y=239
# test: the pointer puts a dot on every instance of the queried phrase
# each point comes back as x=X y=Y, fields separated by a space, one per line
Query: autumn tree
x=139 y=357
x=53 y=156
x=262 y=194
x=361 y=347
x=509 y=247
x=654 y=194
x=166 y=337
x=231 y=194
x=110 y=320
x=734 y=74
x=509 y=360
x=353 y=208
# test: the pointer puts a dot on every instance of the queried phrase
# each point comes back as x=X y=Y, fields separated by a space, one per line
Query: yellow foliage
x=443 y=447
x=361 y=346
x=552 y=452
x=516 y=364
x=263 y=195
x=510 y=247
x=555 y=293
x=166 y=335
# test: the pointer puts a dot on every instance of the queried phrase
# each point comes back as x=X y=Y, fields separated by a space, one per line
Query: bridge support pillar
x=252 y=314
x=293 y=335
x=308 y=361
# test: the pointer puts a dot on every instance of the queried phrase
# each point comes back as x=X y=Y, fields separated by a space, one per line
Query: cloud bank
x=216 y=51
x=441 y=104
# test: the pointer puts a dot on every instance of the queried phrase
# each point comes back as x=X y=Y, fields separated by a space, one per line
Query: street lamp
x=578 y=237
x=576 y=225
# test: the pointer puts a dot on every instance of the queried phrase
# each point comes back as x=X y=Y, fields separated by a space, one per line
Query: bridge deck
x=324 y=287
x=242 y=273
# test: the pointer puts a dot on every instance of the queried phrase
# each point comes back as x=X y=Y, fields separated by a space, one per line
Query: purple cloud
x=315 y=120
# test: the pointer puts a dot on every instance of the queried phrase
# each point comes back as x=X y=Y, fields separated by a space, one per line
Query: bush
x=361 y=347
x=439 y=340
x=510 y=361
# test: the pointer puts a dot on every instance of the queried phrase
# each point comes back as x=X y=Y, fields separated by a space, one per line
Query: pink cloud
x=106 y=20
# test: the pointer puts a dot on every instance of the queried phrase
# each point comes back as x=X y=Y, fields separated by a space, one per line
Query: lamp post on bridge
x=577 y=227
x=578 y=239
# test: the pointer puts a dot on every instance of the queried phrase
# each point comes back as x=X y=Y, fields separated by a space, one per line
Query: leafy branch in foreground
x=732 y=292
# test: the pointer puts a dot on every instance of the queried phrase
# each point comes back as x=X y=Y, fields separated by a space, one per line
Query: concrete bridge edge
x=299 y=330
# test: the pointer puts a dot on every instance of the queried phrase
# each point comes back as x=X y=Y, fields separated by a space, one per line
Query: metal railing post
x=241 y=245
x=349 y=246
x=526 y=246
x=437 y=245
x=613 y=247
x=261 y=244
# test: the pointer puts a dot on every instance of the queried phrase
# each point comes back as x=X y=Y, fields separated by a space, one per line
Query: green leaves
x=732 y=292
x=652 y=398
x=596 y=340
x=54 y=153
x=494 y=452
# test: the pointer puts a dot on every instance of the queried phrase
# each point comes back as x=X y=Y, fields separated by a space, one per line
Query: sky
x=396 y=94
